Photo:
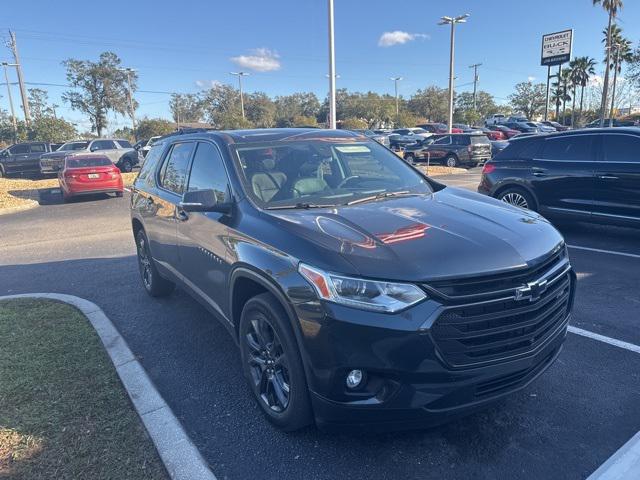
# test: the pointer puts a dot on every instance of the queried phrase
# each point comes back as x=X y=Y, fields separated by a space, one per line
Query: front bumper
x=410 y=382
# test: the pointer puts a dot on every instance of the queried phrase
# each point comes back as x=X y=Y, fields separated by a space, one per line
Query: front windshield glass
x=324 y=172
x=67 y=147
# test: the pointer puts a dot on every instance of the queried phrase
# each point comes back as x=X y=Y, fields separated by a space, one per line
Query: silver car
x=119 y=151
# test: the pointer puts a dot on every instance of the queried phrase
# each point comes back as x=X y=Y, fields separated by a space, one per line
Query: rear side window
x=621 y=148
x=124 y=144
x=207 y=171
x=520 y=150
x=38 y=148
x=174 y=169
x=150 y=163
x=571 y=148
x=88 y=162
x=460 y=140
x=103 y=145
x=479 y=139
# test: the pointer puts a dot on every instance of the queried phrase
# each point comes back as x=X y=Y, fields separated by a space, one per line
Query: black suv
x=591 y=175
x=360 y=292
x=453 y=150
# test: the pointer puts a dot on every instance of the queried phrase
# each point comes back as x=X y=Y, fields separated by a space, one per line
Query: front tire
x=153 y=283
x=518 y=197
x=127 y=166
x=272 y=364
x=451 y=161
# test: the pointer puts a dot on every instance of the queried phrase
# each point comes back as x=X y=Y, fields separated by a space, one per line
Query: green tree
x=353 y=123
x=582 y=69
x=151 y=127
x=485 y=105
x=611 y=7
x=51 y=129
x=528 y=98
x=260 y=110
x=38 y=100
x=296 y=105
x=186 y=108
x=621 y=53
x=221 y=105
x=431 y=103
x=99 y=87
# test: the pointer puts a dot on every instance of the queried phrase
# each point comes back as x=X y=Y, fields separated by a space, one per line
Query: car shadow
x=53 y=196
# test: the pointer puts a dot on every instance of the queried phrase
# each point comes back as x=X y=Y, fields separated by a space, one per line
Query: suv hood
x=451 y=233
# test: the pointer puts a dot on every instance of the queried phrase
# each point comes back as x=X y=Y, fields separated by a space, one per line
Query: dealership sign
x=556 y=48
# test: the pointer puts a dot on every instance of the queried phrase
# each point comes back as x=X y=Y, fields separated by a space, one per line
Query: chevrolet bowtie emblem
x=531 y=291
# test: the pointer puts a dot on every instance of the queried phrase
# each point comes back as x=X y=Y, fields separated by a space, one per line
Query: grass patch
x=63 y=411
x=18 y=192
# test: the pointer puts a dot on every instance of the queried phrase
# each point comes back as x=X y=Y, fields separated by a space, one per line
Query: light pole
x=132 y=111
x=395 y=81
x=13 y=113
x=240 y=75
x=452 y=21
x=332 y=71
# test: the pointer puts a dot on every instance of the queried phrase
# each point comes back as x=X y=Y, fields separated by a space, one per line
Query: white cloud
x=596 y=81
x=531 y=78
x=260 y=60
x=205 y=84
x=398 y=37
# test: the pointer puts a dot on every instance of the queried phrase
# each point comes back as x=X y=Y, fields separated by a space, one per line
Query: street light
x=129 y=71
x=332 y=71
x=13 y=113
x=240 y=75
x=452 y=21
x=395 y=81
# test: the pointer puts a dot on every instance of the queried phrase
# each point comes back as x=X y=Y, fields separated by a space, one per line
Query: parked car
x=401 y=137
x=523 y=127
x=453 y=150
x=516 y=119
x=509 y=132
x=542 y=128
x=23 y=158
x=382 y=139
x=558 y=126
x=466 y=128
x=89 y=174
x=119 y=151
x=495 y=119
x=438 y=128
x=584 y=175
x=360 y=292
x=613 y=122
x=494 y=135
x=143 y=146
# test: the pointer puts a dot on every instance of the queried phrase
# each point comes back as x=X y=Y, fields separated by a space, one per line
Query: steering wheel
x=344 y=182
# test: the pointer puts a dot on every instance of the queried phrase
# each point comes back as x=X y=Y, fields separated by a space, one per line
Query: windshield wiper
x=381 y=195
x=300 y=206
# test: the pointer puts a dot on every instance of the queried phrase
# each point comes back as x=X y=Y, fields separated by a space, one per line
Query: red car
x=493 y=135
x=87 y=174
x=438 y=128
x=509 y=132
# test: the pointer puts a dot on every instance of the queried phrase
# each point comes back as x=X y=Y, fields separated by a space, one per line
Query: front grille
x=498 y=326
x=51 y=162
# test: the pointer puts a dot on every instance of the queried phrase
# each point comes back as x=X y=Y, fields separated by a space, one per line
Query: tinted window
x=174 y=170
x=73 y=146
x=207 y=171
x=443 y=141
x=37 y=148
x=149 y=165
x=103 y=145
x=569 y=148
x=479 y=139
x=80 y=162
x=460 y=140
x=621 y=148
x=124 y=144
x=19 y=149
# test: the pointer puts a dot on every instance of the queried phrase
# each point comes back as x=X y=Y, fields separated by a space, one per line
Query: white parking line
x=600 y=250
x=601 y=338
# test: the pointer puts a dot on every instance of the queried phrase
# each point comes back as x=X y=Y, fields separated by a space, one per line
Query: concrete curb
x=21 y=208
x=180 y=456
x=623 y=465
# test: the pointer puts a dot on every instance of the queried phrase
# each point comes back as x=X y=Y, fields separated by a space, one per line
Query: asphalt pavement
x=564 y=425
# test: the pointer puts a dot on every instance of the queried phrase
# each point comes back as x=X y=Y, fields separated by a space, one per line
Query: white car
x=496 y=119
x=143 y=146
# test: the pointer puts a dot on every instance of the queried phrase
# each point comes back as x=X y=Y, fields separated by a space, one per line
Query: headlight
x=359 y=293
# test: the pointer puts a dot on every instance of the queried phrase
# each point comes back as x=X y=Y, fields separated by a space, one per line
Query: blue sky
x=177 y=46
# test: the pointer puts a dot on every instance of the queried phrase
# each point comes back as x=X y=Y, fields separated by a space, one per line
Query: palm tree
x=574 y=77
x=612 y=7
x=621 y=52
x=583 y=69
x=560 y=95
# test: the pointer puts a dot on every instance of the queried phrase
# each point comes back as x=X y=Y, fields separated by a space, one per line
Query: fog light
x=354 y=378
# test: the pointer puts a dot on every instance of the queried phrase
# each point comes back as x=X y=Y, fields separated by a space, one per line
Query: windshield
x=307 y=173
x=67 y=147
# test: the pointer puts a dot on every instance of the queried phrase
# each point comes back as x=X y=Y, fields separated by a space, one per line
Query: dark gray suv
x=360 y=292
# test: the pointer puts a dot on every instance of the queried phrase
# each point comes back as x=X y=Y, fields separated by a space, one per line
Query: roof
x=274 y=134
x=581 y=131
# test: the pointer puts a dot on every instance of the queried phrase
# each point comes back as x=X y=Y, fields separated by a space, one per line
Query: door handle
x=538 y=172
x=607 y=177
x=182 y=215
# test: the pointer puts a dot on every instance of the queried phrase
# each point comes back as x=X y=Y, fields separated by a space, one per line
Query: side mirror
x=203 y=201
x=94 y=148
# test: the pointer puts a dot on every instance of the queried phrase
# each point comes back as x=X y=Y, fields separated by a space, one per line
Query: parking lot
x=564 y=425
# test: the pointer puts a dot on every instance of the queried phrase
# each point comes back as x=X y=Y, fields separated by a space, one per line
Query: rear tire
x=410 y=158
x=127 y=166
x=152 y=281
x=272 y=364
x=518 y=197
